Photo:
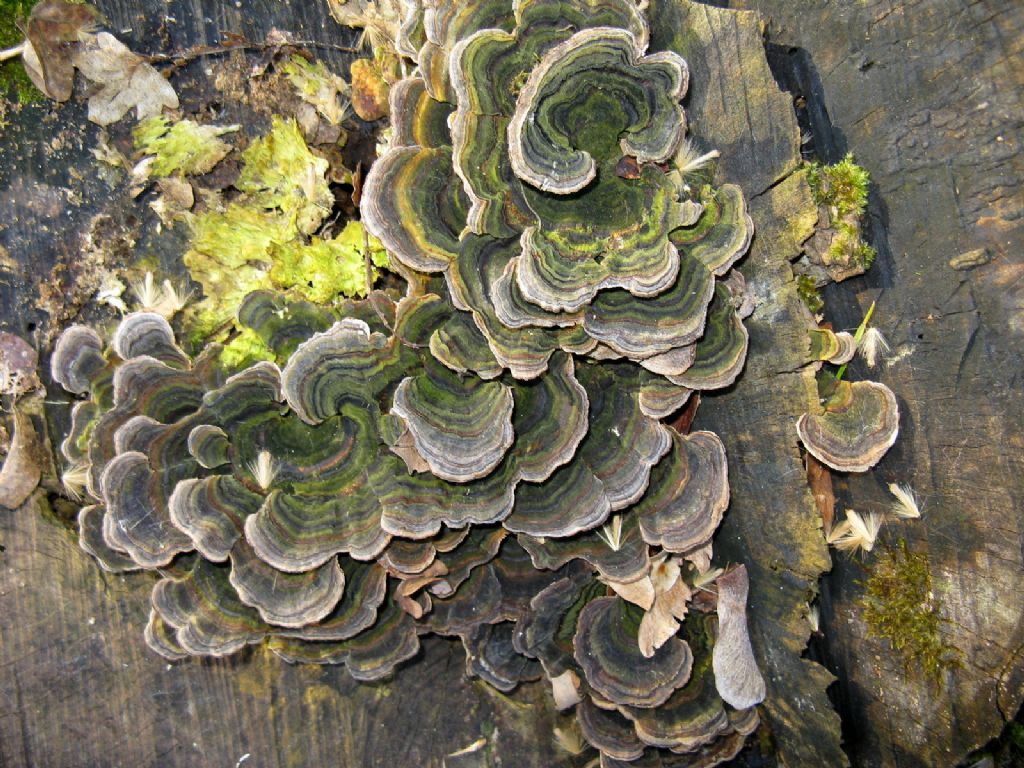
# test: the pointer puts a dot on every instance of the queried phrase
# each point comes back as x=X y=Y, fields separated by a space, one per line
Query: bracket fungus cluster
x=481 y=457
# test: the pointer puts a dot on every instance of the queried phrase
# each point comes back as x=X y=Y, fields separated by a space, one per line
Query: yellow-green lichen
x=186 y=147
x=900 y=606
x=259 y=240
x=324 y=270
x=245 y=349
x=241 y=249
x=230 y=257
x=281 y=174
x=318 y=86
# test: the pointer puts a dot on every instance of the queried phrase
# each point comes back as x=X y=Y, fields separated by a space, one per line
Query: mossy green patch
x=899 y=606
x=807 y=290
x=843 y=186
x=184 y=147
x=281 y=173
x=13 y=80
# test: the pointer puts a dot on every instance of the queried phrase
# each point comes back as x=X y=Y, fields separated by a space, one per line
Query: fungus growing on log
x=860 y=423
x=482 y=456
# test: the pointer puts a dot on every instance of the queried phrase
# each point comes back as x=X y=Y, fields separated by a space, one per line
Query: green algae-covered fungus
x=515 y=195
x=859 y=424
x=482 y=457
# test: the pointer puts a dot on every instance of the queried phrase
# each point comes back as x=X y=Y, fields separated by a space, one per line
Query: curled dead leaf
x=54 y=31
x=21 y=471
x=125 y=80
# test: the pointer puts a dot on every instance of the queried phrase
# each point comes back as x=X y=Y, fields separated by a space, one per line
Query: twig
x=10 y=53
x=242 y=44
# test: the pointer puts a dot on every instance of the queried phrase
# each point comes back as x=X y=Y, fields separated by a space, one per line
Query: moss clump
x=841 y=194
x=807 y=290
x=186 y=147
x=843 y=186
x=13 y=80
x=899 y=606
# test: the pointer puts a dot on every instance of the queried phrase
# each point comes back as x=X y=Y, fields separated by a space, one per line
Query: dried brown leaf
x=126 y=81
x=54 y=30
x=21 y=471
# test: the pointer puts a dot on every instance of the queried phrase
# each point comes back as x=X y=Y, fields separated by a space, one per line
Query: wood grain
x=927 y=94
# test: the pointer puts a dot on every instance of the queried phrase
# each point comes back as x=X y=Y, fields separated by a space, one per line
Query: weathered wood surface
x=80 y=688
x=928 y=95
x=772 y=524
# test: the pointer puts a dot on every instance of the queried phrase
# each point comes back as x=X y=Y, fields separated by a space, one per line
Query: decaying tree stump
x=80 y=687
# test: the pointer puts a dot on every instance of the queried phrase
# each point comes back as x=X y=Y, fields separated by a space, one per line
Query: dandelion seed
x=689 y=158
x=837 y=532
x=872 y=346
x=611 y=533
x=862 y=532
x=148 y=293
x=175 y=297
x=814 y=617
x=263 y=469
x=74 y=478
x=905 y=505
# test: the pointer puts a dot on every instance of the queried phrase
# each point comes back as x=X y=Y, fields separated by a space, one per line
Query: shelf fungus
x=516 y=195
x=482 y=457
x=859 y=424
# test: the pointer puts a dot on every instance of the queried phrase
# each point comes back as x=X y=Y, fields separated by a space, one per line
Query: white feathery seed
x=873 y=345
x=611 y=533
x=690 y=159
x=263 y=469
x=905 y=505
x=861 y=532
x=74 y=478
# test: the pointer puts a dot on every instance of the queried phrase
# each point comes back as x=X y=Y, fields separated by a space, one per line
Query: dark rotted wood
x=771 y=524
x=80 y=688
x=927 y=94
